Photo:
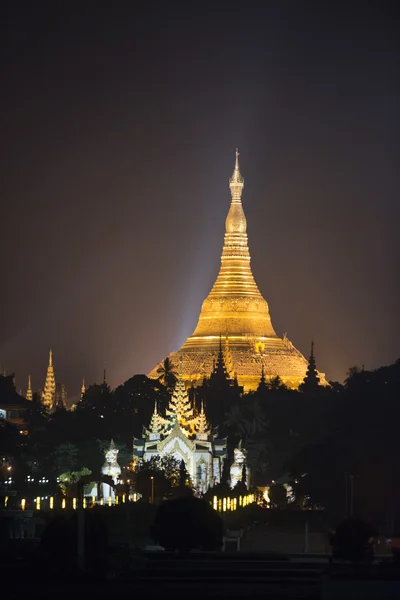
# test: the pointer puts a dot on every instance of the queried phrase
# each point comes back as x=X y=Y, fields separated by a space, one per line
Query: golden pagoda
x=29 y=395
x=49 y=391
x=236 y=310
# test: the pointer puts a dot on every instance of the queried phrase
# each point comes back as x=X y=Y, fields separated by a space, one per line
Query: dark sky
x=118 y=133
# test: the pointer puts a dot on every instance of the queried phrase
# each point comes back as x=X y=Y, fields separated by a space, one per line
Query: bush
x=352 y=540
x=277 y=495
x=187 y=524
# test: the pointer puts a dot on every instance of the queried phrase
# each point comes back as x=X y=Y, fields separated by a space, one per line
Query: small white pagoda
x=185 y=436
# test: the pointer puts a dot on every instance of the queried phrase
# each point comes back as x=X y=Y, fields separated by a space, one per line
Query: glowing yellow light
x=5 y=501
x=109 y=500
x=135 y=497
x=93 y=499
x=74 y=503
x=38 y=503
x=23 y=503
x=229 y=504
x=116 y=499
x=51 y=502
x=219 y=505
x=215 y=503
x=240 y=500
x=101 y=501
x=234 y=503
x=224 y=505
x=84 y=503
x=63 y=503
x=123 y=498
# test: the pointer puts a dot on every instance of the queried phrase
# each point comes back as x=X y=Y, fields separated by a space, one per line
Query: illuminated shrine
x=186 y=436
x=236 y=310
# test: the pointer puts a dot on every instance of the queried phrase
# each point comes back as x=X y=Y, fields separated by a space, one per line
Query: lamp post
x=152 y=490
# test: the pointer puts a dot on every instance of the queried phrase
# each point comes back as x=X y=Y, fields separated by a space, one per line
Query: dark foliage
x=58 y=545
x=186 y=524
x=277 y=495
x=352 y=540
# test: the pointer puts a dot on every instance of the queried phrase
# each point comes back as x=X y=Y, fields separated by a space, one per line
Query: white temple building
x=185 y=436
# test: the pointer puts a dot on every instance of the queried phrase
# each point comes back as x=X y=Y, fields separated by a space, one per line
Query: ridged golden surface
x=236 y=310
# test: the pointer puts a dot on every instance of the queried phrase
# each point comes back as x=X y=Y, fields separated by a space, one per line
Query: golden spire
x=83 y=388
x=157 y=421
x=49 y=391
x=29 y=390
x=235 y=304
x=236 y=182
x=180 y=409
x=201 y=421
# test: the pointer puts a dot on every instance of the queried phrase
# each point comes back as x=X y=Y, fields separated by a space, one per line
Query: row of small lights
x=109 y=502
x=224 y=504
x=29 y=479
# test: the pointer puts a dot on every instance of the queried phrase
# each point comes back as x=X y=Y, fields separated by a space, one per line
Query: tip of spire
x=236 y=180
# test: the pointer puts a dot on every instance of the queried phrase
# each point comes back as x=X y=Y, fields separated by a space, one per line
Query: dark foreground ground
x=208 y=575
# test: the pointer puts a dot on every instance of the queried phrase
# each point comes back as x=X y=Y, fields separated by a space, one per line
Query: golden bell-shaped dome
x=236 y=220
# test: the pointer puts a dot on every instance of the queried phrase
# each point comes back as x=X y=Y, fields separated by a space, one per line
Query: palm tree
x=247 y=420
x=167 y=373
x=236 y=421
x=256 y=421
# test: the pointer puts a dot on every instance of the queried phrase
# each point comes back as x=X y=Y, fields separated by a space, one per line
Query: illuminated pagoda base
x=236 y=310
x=184 y=436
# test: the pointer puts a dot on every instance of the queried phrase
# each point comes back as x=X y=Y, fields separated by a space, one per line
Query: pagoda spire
x=202 y=425
x=83 y=388
x=220 y=371
x=235 y=300
x=104 y=378
x=29 y=390
x=311 y=382
x=262 y=386
x=157 y=421
x=236 y=182
x=49 y=391
x=180 y=409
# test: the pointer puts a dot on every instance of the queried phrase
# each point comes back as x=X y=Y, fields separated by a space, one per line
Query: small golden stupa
x=236 y=310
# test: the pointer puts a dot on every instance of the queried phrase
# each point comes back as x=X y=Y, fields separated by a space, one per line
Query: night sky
x=118 y=133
